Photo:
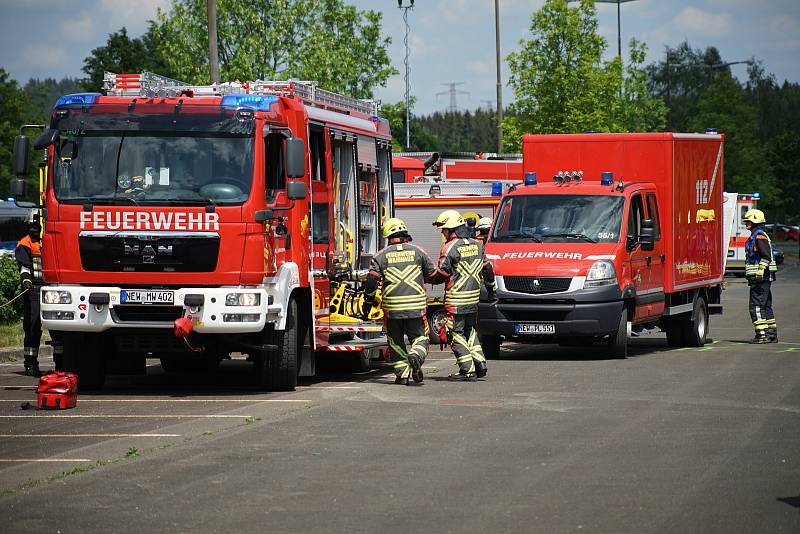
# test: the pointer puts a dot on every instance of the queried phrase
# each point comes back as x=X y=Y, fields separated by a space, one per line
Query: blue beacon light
x=530 y=178
x=607 y=178
x=497 y=189
x=255 y=102
x=77 y=100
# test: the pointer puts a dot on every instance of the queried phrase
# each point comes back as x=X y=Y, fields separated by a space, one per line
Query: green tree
x=123 y=54
x=43 y=94
x=15 y=111
x=723 y=106
x=328 y=41
x=640 y=112
x=422 y=140
x=559 y=81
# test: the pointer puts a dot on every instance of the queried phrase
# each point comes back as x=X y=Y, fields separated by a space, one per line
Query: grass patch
x=12 y=335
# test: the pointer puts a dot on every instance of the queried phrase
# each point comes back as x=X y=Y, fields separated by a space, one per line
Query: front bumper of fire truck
x=218 y=310
x=577 y=312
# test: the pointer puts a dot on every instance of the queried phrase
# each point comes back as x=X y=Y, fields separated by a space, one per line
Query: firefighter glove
x=760 y=273
x=492 y=295
x=27 y=282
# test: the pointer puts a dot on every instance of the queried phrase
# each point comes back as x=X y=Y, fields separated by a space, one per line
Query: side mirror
x=647 y=235
x=46 y=138
x=296 y=190
x=18 y=187
x=21 y=159
x=295 y=158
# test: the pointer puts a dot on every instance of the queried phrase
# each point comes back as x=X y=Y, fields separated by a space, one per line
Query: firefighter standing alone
x=760 y=269
x=463 y=267
x=29 y=258
x=403 y=268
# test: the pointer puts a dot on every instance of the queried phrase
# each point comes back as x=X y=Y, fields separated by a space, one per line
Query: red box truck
x=610 y=235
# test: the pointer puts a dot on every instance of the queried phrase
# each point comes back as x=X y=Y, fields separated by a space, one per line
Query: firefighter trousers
x=761 y=309
x=417 y=331
x=463 y=339
x=32 y=326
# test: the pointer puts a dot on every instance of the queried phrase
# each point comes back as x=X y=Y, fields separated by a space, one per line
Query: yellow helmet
x=449 y=219
x=393 y=226
x=755 y=216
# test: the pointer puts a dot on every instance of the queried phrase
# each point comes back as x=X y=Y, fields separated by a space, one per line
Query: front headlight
x=243 y=299
x=56 y=297
x=601 y=273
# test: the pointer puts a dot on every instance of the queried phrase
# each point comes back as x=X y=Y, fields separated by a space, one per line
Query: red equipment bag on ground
x=57 y=391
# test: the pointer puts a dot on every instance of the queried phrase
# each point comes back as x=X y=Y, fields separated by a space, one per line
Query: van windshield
x=559 y=219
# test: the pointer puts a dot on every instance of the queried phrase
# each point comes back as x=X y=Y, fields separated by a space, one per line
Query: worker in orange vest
x=29 y=258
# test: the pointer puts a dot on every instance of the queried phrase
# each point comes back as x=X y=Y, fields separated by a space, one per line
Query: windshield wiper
x=193 y=201
x=518 y=235
x=99 y=200
x=573 y=236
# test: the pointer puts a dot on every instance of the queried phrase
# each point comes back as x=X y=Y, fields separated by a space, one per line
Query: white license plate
x=135 y=296
x=534 y=328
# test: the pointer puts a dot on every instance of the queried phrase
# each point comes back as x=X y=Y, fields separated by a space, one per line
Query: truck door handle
x=663 y=258
x=649 y=260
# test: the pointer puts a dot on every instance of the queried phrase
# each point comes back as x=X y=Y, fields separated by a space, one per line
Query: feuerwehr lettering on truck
x=558 y=255
x=150 y=220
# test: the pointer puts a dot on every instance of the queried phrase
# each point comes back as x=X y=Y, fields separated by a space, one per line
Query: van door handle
x=663 y=258
x=649 y=260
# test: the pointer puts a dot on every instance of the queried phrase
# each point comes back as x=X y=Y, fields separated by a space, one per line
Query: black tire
x=491 y=346
x=435 y=319
x=277 y=370
x=618 y=341
x=83 y=356
x=674 y=331
x=695 y=331
x=170 y=365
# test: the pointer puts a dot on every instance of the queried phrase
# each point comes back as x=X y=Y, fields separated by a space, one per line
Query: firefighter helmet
x=393 y=226
x=755 y=216
x=484 y=223
x=449 y=219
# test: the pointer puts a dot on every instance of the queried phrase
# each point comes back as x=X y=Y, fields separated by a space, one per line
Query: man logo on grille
x=536 y=284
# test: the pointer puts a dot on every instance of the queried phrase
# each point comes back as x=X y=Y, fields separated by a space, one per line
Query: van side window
x=635 y=217
x=652 y=212
x=398 y=177
x=274 y=171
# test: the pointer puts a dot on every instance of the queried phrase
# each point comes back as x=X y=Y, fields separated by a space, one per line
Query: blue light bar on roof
x=255 y=102
x=757 y=195
x=77 y=99
x=607 y=178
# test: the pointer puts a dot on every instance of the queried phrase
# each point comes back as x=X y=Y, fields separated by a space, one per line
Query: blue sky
x=451 y=40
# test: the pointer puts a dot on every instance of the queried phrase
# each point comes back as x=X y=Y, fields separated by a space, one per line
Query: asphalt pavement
x=553 y=440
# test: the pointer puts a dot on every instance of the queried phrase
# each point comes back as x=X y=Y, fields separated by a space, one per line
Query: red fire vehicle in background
x=408 y=167
x=622 y=233
x=249 y=209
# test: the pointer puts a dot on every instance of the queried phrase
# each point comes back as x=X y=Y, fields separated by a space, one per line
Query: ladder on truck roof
x=149 y=85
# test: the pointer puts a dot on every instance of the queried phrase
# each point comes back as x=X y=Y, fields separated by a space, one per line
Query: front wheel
x=696 y=330
x=491 y=346
x=83 y=356
x=276 y=370
x=618 y=341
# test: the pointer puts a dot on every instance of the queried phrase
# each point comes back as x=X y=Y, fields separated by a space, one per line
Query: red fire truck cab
x=611 y=235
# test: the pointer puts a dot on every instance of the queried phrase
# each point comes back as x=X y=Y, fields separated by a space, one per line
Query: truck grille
x=148 y=253
x=146 y=313
x=537 y=285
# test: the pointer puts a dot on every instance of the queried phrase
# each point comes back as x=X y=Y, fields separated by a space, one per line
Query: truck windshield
x=559 y=219
x=153 y=160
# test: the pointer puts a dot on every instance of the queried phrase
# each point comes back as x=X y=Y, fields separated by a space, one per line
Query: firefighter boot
x=772 y=335
x=480 y=369
x=760 y=338
x=32 y=362
x=416 y=368
x=401 y=381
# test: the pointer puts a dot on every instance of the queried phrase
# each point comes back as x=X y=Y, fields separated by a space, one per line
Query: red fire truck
x=408 y=167
x=611 y=235
x=188 y=222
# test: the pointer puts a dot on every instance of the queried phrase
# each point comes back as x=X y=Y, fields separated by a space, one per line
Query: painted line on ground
x=328 y=387
x=46 y=460
x=174 y=400
x=89 y=436
x=114 y=416
x=18 y=387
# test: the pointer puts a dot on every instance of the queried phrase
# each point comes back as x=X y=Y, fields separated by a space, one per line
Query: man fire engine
x=463 y=267
x=248 y=212
x=403 y=268
x=760 y=269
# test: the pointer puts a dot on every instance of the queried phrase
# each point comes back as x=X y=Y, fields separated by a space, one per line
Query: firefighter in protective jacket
x=403 y=268
x=464 y=268
x=760 y=269
x=29 y=258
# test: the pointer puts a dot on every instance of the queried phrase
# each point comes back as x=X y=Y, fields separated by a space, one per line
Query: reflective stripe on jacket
x=753 y=257
x=403 y=268
x=29 y=257
x=462 y=260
